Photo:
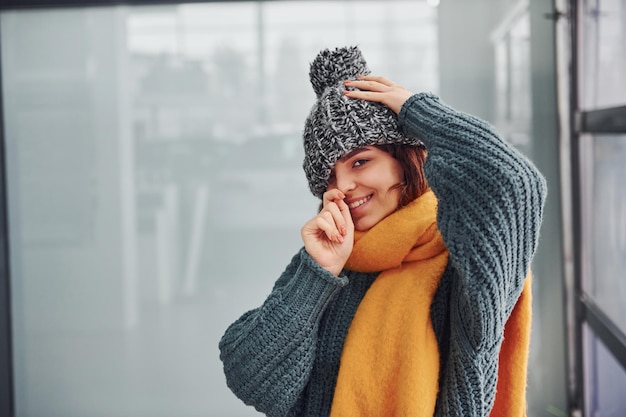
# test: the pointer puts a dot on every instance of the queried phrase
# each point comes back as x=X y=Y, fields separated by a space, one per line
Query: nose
x=344 y=182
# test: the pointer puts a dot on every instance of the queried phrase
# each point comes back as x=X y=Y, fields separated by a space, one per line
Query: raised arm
x=491 y=200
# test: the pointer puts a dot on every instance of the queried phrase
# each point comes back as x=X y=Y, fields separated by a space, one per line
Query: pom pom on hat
x=338 y=124
x=330 y=68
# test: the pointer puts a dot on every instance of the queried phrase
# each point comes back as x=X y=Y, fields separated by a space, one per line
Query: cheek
x=394 y=193
x=394 y=198
x=391 y=194
x=398 y=173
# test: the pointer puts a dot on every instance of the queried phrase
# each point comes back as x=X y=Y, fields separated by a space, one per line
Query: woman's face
x=368 y=176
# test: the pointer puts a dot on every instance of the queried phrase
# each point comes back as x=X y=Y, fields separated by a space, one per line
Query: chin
x=364 y=225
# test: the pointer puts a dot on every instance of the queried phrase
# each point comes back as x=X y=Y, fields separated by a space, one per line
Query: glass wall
x=605 y=220
x=602 y=220
x=155 y=187
x=603 y=26
x=605 y=379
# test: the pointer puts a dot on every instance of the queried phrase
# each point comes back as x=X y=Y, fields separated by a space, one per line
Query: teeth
x=359 y=202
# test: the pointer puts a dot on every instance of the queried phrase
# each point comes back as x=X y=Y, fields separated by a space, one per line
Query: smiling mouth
x=360 y=202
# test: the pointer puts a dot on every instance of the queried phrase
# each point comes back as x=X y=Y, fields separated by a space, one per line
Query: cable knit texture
x=283 y=357
x=338 y=124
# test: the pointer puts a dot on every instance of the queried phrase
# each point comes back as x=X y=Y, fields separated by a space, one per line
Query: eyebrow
x=354 y=152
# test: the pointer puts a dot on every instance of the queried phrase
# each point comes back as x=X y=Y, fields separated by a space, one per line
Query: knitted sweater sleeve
x=268 y=353
x=490 y=206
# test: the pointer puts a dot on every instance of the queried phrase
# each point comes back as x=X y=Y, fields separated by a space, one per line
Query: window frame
x=581 y=309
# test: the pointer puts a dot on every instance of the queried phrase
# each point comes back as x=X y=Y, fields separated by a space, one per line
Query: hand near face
x=378 y=89
x=329 y=236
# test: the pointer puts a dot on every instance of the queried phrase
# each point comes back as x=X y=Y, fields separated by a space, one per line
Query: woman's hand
x=378 y=89
x=329 y=236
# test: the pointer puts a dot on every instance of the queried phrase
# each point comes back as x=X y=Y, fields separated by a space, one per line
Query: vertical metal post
x=7 y=407
x=576 y=400
x=569 y=142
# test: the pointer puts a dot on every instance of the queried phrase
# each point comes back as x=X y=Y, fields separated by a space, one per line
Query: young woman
x=411 y=295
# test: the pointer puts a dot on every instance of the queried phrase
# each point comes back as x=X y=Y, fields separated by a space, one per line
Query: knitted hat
x=338 y=124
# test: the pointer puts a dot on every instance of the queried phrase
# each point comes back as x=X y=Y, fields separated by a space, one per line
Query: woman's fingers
x=378 y=89
x=333 y=200
x=332 y=195
x=322 y=227
x=328 y=224
x=372 y=83
x=328 y=237
x=333 y=213
x=347 y=217
x=377 y=78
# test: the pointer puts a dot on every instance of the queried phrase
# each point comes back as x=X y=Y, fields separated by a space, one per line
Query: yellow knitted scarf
x=390 y=359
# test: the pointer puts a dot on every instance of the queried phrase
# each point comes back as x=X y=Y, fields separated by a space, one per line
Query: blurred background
x=153 y=191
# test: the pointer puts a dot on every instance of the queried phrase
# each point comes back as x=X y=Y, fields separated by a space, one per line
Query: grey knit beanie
x=338 y=124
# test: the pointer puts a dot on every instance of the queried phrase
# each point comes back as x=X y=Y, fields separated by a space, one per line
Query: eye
x=360 y=162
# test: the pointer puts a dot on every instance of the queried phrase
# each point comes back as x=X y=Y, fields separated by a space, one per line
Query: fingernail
x=343 y=230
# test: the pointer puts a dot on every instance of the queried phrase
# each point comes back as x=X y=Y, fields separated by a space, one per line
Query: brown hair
x=411 y=159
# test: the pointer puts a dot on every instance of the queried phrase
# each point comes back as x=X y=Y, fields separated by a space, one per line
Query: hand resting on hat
x=378 y=89
x=329 y=236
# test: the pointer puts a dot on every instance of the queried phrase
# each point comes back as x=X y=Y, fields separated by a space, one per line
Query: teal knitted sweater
x=283 y=357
